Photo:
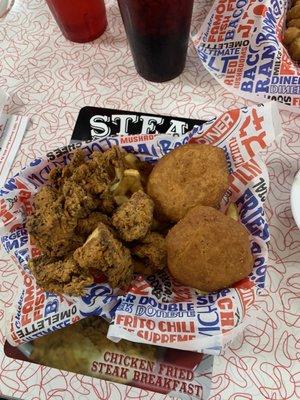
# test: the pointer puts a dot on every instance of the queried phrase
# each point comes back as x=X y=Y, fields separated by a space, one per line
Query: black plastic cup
x=158 y=34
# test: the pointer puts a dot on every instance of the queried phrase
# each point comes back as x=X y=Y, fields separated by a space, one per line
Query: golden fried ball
x=294 y=23
x=290 y=34
x=208 y=250
x=293 y=13
x=189 y=175
x=294 y=49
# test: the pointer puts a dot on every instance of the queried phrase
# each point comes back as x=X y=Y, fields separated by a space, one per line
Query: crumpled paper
x=240 y=44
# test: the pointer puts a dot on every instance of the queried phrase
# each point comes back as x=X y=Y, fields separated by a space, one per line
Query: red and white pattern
x=51 y=80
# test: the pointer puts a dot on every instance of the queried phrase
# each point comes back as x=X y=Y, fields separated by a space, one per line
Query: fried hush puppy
x=291 y=37
x=208 y=250
x=190 y=175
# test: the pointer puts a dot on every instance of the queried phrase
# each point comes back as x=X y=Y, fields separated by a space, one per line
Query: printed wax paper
x=12 y=130
x=240 y=44
x=157 y=310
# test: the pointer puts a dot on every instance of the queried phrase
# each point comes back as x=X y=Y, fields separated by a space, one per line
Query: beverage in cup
x=79 y=20
x=158 y=35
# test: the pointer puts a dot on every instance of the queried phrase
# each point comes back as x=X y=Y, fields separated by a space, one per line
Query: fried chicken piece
x=78 y=158
x=141 y=268
x=78 y=189
x=107 y=167
x=91 y=177
x=55 y=176
x=104 y=252
x=87 y=180
x=133 y=219
x=87 y=225
x=60 y=276
x=152 y=251
x=107 y=203
x=45 y=197
x=113 y=161
x=78 y=202
x=58 y=175
x=90 y=182
x=52 y=229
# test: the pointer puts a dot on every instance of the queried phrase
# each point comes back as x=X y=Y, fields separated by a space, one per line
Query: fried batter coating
x=52 y=229
x=294 y=49
x=291 y=37
x=87 y=225
x=133 y=219
x=294 y=23
x=86 y=184
x=92 y=177
x=114 y=160
x=208 y=250
x=104 y=252
x=58 y=175
x=45 y=197
x=291 y=34
x=78 y=203
x=189 y=175
x=107 y=203
x=153 y=251
x=60 y=276
x=293 y=13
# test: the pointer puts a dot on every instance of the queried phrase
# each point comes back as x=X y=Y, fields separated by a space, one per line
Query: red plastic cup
x=79 y=20
x=158 y=34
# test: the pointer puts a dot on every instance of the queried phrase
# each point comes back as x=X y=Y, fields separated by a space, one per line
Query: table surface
x=51 y=79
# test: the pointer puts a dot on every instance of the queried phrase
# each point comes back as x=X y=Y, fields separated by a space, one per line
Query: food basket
x=155 y=310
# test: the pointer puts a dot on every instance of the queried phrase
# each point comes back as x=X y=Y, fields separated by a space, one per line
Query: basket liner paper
x=240 y=44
